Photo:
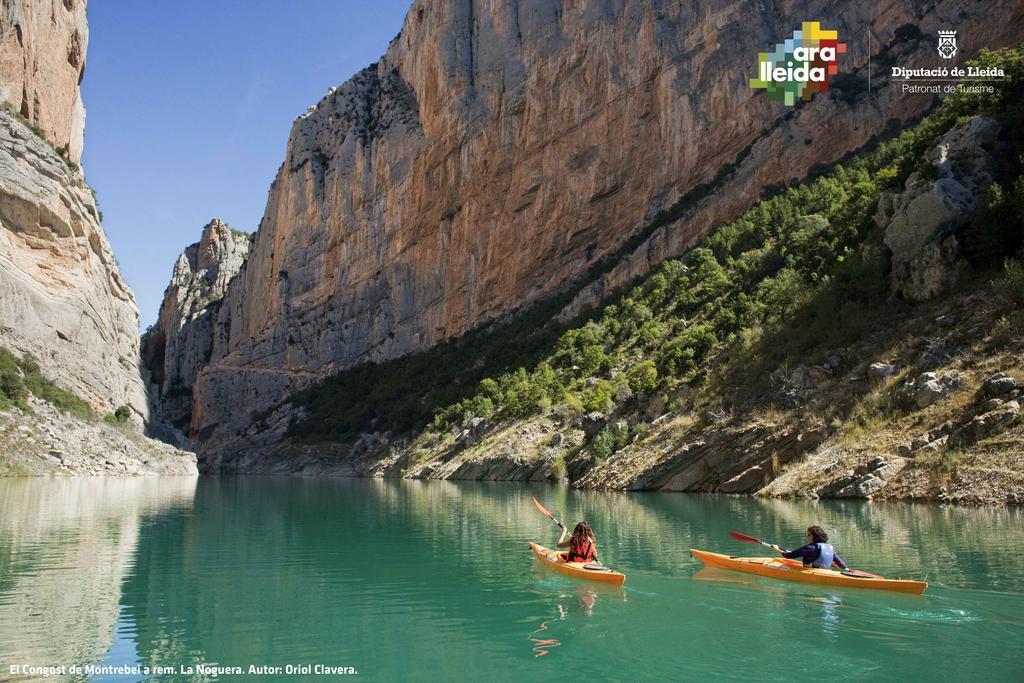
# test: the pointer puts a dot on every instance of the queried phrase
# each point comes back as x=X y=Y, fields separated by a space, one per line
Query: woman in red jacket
x=582 y=545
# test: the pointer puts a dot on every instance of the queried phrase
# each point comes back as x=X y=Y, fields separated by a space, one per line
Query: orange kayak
x=793 y=570
x=552 y=559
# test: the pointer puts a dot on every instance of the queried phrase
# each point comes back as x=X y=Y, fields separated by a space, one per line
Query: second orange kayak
x=791 y=570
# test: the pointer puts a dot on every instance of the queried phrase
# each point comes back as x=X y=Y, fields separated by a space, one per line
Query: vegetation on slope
x=791 y=279
x=20 y=377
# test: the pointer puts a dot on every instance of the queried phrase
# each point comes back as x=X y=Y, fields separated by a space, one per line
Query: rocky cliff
x=181 y=341
x=62 y=298
x=497 y=152
x=66 y=314
x=42 y=61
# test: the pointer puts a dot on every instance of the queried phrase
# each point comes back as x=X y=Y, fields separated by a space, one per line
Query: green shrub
x=598 y=398
x=1010 y=283
x=12 y=382
x=604 y=444
x=615 y=437
x=21 y=377
x=573 y=403
x=558 y=468
x=643 y=377
x=119 y=416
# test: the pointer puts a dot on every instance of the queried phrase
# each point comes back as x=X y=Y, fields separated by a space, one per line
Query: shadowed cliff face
x=499 y=150
x=182 y=340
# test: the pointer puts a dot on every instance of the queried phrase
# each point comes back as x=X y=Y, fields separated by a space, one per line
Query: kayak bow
x=792 y=570
x=552 y=559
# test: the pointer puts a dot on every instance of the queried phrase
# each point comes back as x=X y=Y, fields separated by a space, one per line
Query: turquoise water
x=434 y=581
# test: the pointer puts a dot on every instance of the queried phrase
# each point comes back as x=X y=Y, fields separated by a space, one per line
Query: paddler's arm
x=838 y=561
x=805 y=554
x=562 y=543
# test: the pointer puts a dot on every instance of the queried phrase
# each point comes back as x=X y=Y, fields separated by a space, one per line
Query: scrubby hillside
x=494 y=157
x=48 y=430
x=800 y=334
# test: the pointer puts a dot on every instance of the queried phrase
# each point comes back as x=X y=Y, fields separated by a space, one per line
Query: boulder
x=878 y=372
x=592 y=423
x=928 y=388
x=866 y=480
x=983 y=427
x=922 y=221
x=479 y=426
x=998 y=385
x=934 y=269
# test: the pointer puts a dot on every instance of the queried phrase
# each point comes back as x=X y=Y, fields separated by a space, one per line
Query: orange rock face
x=496 y=152
x=42 y=60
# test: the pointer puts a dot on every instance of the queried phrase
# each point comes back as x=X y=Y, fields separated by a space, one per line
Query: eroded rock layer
x=42 y=60
x=62 y=298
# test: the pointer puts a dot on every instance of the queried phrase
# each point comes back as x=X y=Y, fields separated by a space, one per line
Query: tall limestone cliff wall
x=181 y=341
x=499 y=150
x=62 y=298
x=42 y=61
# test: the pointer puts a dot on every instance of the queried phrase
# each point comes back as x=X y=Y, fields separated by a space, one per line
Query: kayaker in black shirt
x=817 y=553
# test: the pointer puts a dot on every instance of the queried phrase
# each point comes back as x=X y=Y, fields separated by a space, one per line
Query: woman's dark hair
x=818 y=534
x=581 y=533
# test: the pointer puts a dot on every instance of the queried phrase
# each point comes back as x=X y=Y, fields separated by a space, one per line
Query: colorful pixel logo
x=801 y=66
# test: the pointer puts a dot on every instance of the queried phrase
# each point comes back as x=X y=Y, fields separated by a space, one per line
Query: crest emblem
x=947 y=44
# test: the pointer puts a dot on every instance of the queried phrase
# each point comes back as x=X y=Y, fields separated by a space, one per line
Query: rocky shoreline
x=47 y=442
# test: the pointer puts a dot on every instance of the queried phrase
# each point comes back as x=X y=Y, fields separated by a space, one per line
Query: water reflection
x=541 y=645
x=436 y=578
x=66 y=545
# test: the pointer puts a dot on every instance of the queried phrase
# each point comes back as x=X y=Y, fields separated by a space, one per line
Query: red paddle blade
x=743 y=537
x=542 y=508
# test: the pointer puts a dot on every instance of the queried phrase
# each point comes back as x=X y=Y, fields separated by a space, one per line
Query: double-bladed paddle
x=751 y=539
x=546 y=512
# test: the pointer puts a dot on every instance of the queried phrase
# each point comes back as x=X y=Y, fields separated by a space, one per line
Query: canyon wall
x=42 y=61
x=181 y=341
x=499 y=150
x=62 y=297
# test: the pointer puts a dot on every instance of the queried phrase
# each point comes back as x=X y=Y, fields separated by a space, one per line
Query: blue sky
x=188 y=108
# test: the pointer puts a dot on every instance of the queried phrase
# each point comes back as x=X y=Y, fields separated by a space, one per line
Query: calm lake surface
x=434 y=581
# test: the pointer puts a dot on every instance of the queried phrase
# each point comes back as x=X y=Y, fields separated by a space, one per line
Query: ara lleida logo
x=800 y=66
